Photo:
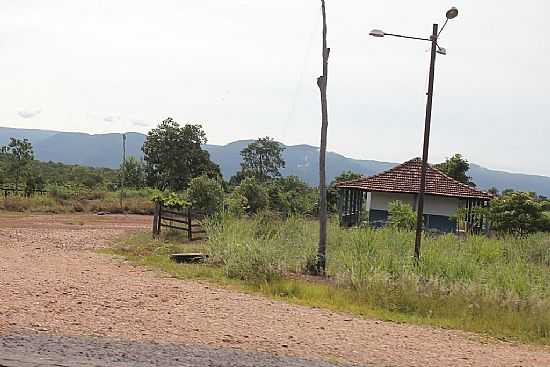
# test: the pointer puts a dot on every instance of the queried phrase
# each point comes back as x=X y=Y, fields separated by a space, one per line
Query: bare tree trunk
x=322 y=83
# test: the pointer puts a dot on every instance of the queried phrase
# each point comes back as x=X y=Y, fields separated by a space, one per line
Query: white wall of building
x=380 y=200
x=440 y=205
x=435 y=205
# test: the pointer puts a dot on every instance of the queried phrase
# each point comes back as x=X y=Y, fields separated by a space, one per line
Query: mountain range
x=105 y=150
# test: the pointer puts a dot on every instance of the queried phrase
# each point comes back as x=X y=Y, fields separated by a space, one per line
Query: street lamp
x=451 y=14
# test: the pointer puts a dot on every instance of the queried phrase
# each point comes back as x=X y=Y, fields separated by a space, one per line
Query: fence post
x=160 y=219
x=156 y=219
x=189 y=224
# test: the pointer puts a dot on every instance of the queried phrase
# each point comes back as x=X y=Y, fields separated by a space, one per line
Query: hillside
x=105 y=150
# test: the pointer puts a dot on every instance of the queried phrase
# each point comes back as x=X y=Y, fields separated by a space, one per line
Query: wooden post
x=322 y=84
x=156 y=220
x=160 y=220
x=189 y=224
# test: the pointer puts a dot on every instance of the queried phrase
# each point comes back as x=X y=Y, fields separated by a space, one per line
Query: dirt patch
x=51 y=282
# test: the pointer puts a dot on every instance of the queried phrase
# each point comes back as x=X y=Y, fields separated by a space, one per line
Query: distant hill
x=105 y=150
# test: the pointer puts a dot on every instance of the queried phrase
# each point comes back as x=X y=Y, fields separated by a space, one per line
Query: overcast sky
x=247 y=68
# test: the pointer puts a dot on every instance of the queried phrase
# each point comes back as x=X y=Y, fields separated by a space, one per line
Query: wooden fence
x=184 y=219
x=20 y=192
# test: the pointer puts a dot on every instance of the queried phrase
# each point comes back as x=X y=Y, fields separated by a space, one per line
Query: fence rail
x=179 y=220
x=20 y=192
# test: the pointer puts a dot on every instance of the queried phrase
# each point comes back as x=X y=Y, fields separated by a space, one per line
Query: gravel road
x=54 y=285
x=60 y=351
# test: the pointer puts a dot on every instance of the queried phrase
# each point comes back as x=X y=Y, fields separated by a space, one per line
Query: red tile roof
x=405 y=178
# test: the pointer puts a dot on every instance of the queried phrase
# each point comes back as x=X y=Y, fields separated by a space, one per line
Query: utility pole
x=123 y=171
x=322 y=84
x=427 y=126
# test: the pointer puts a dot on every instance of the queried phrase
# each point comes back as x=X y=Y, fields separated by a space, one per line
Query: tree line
x=174 y=161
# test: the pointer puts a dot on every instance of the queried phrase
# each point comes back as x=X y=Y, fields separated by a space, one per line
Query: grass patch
x=135 y=202
x=499 y=288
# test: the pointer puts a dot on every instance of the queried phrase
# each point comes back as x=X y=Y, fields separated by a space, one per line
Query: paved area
x=53 y=284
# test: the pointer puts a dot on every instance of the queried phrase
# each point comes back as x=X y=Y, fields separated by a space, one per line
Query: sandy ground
x=52 y=282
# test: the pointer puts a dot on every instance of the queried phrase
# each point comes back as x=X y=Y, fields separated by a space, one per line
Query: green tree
x=255 y=193
x=33 y=182
x=18 y=155
x=456 y=167
x=205 y=194
x=262 y=159
x=518 y=213
x=290 y=196
x=173 y=156
x=401 y=216
x=133 y=172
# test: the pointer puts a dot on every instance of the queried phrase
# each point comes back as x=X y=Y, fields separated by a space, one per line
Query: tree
x=18 y=154
x=322 y=82
x=493 y=190
x=262 y=159
x=173 y=156
x=255 y=193
x=33 y=182
x=205 y=194
x=457 y=168
x=133 y=172
x=518 y=213
x=291 y=196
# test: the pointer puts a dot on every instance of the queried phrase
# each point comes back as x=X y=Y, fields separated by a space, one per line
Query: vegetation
x=499 y=287
x=61 y=200
x=401 y=216
x=519 y=213
x=17 y=156
x=457 y=168
x=173 y=156
x=133 y=173
x=262 y=159
x=205 y=194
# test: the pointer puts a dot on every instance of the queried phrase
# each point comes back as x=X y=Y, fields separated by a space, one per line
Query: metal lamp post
x=451 y=14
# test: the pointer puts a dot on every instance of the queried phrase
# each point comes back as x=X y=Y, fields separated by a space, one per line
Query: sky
x=247 y=68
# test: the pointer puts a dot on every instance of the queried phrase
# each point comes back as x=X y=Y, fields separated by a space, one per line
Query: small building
x=443 y=197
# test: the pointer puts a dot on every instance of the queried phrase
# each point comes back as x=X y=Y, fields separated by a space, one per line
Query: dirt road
x=54 y=285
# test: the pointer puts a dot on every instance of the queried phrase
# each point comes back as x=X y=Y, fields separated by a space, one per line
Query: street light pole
x=450 y=14
x=426 y=145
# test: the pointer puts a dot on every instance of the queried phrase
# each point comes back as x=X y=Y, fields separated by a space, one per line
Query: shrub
x=401 y=216
x=518 y=213
x=205 y=194
x=236 y=204
x=255 y=194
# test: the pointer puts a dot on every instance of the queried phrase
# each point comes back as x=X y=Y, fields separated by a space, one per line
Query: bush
x=401 y=216
x=518 y=213
x=255 y=193
x=292 y=196
x=205 y=194
x=256 y=249
x=236 y=204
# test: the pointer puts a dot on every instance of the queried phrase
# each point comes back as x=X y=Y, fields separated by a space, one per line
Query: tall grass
x=498 y=286
x=64 y=201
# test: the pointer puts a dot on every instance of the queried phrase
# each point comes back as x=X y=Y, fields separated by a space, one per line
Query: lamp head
x=441 y=50
x=452 y=13
x=377 y=33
